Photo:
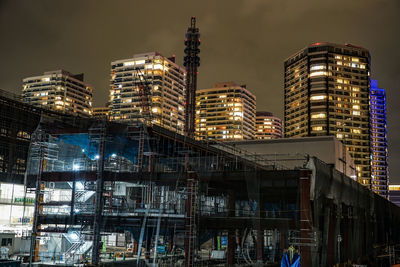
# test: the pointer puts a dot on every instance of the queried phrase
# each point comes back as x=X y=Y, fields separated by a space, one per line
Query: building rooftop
x=346 y=45
x=79 y=76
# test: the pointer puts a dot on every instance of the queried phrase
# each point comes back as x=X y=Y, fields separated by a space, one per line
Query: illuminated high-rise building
x=165 y=90
x=225 y=112
x=59 y=90
x=327 y=93
x=379 y=145
x=268 y=126
x=394 y=194
x=100 y=112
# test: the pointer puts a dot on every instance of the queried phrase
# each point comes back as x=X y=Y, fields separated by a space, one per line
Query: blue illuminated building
x=379 y=147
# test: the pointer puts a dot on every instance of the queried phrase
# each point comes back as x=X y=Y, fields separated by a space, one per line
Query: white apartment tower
x=268 y=126
x=165 y=83
x=225 y=112
x=59 y=90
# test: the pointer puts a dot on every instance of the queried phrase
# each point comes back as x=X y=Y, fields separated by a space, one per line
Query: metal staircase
x=78 y=249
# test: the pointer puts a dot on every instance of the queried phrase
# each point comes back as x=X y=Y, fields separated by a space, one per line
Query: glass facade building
x=379 y=145
x=327 y=93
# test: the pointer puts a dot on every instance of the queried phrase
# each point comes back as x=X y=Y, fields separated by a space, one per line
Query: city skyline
x=254 y=58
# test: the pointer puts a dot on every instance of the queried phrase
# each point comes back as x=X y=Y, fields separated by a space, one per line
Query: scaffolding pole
x=190 y=221
x=99 y=197
x=34 y=248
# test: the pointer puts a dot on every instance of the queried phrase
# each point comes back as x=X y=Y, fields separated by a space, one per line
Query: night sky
x=243 y=41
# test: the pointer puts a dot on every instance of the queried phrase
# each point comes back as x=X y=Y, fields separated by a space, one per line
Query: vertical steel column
x=34 y=248
x=72 y=201
x=259 y=230
x=260 y=246
x=190 y=220
x=305 y=218
x=231 y=232
x=191 y=61
x=99 y=197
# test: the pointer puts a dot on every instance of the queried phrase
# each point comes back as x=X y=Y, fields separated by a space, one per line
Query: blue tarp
x=286 y=262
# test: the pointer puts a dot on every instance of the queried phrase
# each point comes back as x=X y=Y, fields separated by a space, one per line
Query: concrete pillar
x=346 y=233
x=331 y=235
x=325 y=234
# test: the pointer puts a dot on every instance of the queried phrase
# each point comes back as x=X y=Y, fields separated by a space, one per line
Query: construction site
x=111 y=193
x=95 y=192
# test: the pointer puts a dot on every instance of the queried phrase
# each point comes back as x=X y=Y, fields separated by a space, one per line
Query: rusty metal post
x=190 y=220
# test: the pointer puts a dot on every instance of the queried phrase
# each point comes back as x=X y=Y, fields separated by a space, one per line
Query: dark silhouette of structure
x=191 y=61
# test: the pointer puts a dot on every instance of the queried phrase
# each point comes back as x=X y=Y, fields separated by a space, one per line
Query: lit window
x=158 y=67
x=317 y=67
x=140 y=62
x=318 y=116
x=356 y=107
x=129 y=63
x=317 y=128
x=356 y=112
x=319 y=73
x=318 y=97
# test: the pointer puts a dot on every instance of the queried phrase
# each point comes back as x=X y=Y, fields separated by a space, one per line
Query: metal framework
x=191 y=61
x=190 y=197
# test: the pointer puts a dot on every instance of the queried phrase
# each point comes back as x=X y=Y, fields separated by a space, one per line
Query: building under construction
x=106 y=192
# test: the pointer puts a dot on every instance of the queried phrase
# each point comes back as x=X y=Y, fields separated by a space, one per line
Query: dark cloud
x=245 y=41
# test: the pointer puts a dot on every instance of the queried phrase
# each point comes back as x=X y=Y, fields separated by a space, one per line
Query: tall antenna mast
x=191 y=61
